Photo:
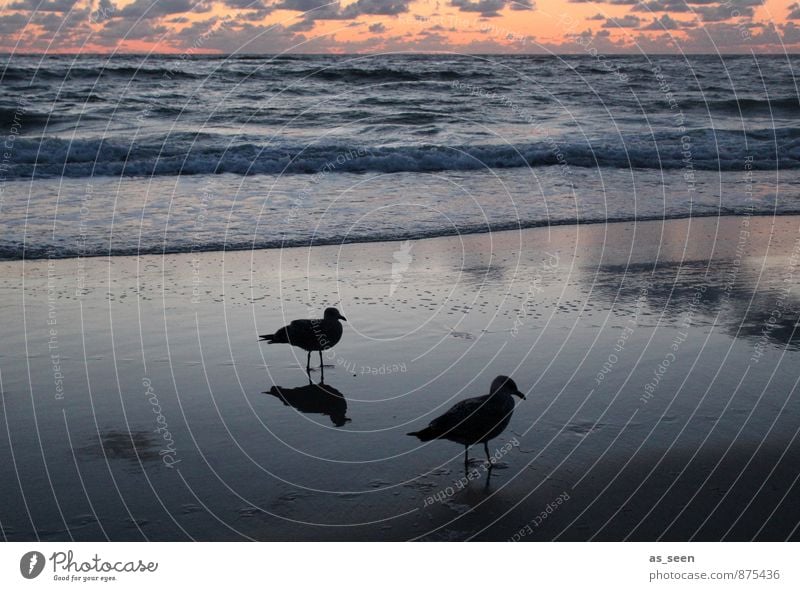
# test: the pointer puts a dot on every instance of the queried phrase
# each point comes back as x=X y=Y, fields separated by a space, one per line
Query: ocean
x=151 y=154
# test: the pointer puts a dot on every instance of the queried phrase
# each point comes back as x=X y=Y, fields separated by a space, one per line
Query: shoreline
x=503 y=228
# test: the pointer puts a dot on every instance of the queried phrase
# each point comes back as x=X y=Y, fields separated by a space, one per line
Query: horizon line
x=386 y=53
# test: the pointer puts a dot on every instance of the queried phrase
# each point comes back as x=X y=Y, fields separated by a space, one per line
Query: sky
x=377 y=26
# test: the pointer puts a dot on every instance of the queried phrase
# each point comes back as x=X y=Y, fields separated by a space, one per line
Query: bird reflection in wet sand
x=475 y=420
x=314 y=399
x=317 y=334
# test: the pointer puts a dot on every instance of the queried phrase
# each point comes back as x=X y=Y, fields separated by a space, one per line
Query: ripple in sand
x=584 y=428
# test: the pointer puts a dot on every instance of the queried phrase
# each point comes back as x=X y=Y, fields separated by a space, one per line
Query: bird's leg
x=308 y=363
x=489 y=459
x=466 y=459
x=320 y=359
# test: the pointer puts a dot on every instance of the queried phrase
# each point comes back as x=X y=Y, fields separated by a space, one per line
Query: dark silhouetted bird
x=475 y=420
x=310 y=335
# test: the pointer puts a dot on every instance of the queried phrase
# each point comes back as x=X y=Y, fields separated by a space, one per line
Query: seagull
x=310 y=335
x=475 y=420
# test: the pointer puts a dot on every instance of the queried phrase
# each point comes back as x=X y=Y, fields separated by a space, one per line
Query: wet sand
x=659 y=358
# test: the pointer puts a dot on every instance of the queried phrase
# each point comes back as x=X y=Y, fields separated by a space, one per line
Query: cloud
x=377 y=28
x=730 y=38
x=790 y=33
x=491 y=8
x=794 y=11
x=150 y=9
x=302 y=25
x=712 y=14
x=629 y=21
x=11 y=24
x=667 y=23
x=325 y=10
x=308 y=5
x=317 y=10
x=381 y=7
x=487 y=8
x=715 y=10
x=130 y=29
x=248 y=4
x=597 y=17
x=43 y=5
x=55 y=30
x=245 y=37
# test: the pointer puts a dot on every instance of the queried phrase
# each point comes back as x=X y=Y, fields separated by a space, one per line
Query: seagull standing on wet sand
x=310 y=335
x=475 y=420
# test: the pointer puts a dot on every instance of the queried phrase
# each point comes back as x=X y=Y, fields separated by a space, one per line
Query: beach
x=659 y=360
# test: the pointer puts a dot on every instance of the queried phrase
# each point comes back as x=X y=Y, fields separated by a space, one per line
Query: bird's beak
x=520 y=394
x=342 y=318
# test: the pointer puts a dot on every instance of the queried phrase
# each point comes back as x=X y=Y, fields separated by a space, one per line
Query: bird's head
x=506 y=384
x=333 y=314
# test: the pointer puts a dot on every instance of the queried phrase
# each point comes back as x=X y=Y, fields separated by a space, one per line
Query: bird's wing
x=298 y=332
x=471 y=419
x=459 y=415
x=301 y=330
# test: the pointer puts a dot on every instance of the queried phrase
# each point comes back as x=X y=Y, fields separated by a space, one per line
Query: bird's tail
x=266 y=337
x=426 y=434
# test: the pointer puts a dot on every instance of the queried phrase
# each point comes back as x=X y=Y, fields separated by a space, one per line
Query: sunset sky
x=367 y=26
